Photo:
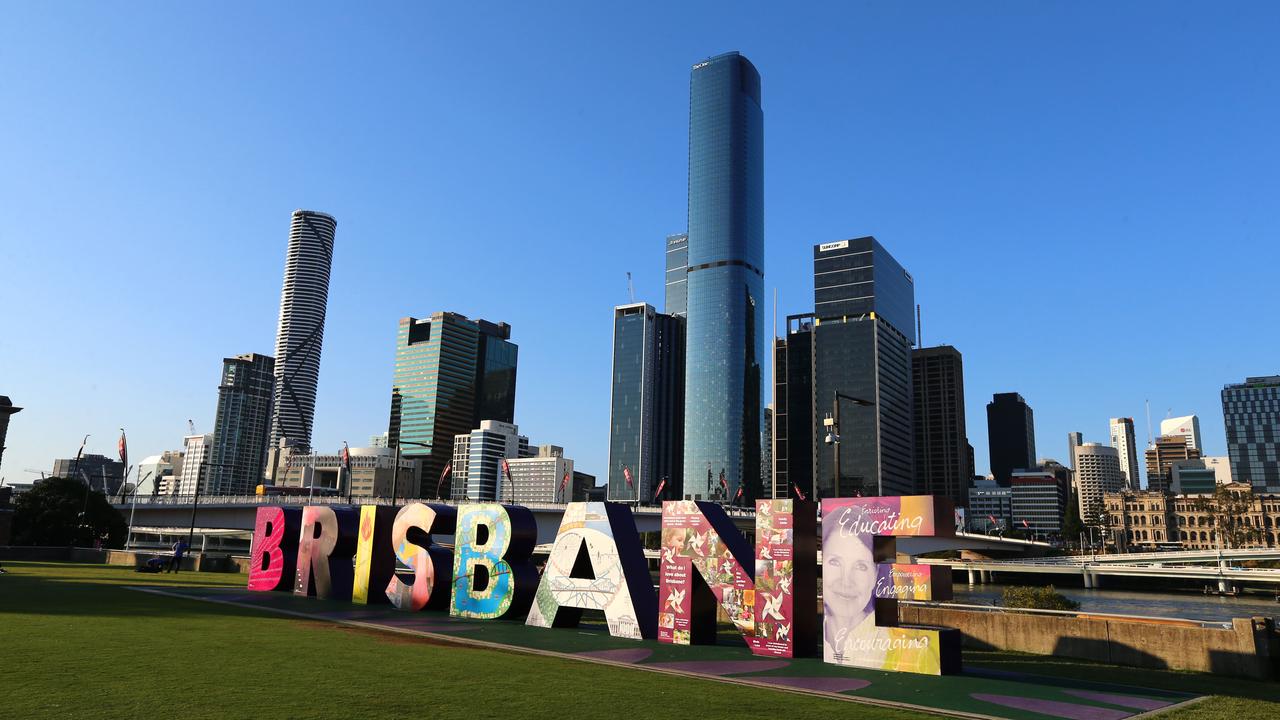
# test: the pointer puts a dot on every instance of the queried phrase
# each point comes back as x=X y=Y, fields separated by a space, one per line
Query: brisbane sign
x=385 y=555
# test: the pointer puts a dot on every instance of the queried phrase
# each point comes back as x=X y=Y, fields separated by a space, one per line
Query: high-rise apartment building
x=677 y=275
x=451 y=374
x=7 y=409
x=242 y=424
x=1251 y=413
x=99 y=471
x=863 y=332
x=647 y=405
x=1122 y=439
x=1187 y=426
x=303 y=301
x=1097 y=472
x=725 y=279
x=793 y=416
x=942 y=462
x=477 y=462
x=1038 y=501
x=1074 y=440
x=1167 y=450
x=1011 y=435
x=195 y=464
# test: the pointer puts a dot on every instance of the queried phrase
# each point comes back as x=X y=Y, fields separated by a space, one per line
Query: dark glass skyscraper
x=647 y=404
x=1011 y=435
x=242 y=425
x=451 y=373
x=725 y=276
x=793 y=417
x=942 y=447
x=862 y=338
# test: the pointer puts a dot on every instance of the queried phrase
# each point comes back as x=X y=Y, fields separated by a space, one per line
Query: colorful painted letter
x=431 y=565
x=705 y=560
x=492 y=575
x=597 y=564
x=375 y=563
x=274 y=554
x=861 y=587
x=325 y=546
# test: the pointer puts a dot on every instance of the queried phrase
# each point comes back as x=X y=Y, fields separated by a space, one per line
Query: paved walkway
x=976 y=693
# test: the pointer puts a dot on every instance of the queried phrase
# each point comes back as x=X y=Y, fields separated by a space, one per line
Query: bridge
x=1224 y=570
x=216 y=515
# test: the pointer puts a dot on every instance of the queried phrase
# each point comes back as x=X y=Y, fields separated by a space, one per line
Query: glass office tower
x=862 y=339
x=451 y=374
x=242 y=424
x=677 y=278
x=725 y=280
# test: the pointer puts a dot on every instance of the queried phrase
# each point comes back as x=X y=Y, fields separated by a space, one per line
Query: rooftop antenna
x=631 y=289
x=919 y=334
x=1150 y=442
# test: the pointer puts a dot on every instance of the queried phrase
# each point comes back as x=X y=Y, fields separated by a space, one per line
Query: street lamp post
x=395 y=465
x=833 y=434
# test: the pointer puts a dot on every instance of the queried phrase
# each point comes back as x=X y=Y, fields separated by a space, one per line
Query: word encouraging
x=376 y=554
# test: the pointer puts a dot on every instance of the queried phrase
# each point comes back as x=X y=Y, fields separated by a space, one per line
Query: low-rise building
x=990 y=506
x=547 y=477
x=1231 y=516
x=1038 y=501
x=371 y=473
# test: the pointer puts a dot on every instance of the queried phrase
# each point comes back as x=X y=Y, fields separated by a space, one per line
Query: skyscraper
x=1122 y=439
x=677 y=277
x=1011 y=435
x=863 y=332
x=1074 y=440
x=301 y=332
x=646 y=404
x=942 y=458
x=793 y=417
x=1187 y=426
x=1161 y=456
x=6 y=409
x=1251 y=413
x=725 y=276
x=1097 y=469
x=239 y=446
x=477 y=462
x=451 y=373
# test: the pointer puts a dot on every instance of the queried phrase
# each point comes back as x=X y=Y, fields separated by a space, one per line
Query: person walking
x=179 y=549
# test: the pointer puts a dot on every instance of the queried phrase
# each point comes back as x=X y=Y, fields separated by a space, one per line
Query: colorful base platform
x=976 y=693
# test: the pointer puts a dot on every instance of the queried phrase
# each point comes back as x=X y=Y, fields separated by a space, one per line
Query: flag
x=565 y=481
x=443 y=474
x=799 y=492
x=723 y=484
x=506 y=468
x=346 y=457
x=735 y=497
x=661 y=485
x=993 y=520
x=1025 y=525
x=626 y=474
x=124 y=450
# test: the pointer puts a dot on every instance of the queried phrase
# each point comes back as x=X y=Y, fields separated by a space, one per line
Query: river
x=1189 y=605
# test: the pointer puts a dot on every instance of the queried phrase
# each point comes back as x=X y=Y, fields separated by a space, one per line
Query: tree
x=1036 y=598
x=50 y=514
x=1229 y=514
x=1072 y=527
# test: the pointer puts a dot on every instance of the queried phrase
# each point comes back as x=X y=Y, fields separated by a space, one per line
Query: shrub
x=1037 y=598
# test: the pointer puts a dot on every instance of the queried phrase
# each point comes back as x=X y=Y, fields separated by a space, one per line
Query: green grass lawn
x=75 y=643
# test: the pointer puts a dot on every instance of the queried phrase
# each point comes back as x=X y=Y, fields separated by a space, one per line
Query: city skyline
x=152 y=394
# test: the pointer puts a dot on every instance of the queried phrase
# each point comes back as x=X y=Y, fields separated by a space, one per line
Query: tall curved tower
x=725 y=340
x=301 y=331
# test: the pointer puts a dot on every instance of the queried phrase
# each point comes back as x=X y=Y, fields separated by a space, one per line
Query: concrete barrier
x=1249 y=648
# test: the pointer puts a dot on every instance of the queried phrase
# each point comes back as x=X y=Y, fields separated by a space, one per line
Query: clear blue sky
x=1085 y=193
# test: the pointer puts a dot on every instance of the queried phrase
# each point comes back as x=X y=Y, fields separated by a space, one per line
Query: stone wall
x=1250 y=648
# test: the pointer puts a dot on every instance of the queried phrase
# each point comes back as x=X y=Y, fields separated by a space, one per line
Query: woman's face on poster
x=848 y=572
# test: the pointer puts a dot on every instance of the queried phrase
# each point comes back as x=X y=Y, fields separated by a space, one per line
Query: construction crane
x=41 y=473
x=631 y=289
